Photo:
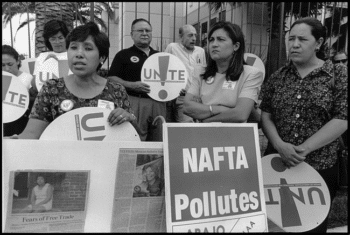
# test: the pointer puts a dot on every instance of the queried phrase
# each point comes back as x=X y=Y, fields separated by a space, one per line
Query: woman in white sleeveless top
x=41 y=198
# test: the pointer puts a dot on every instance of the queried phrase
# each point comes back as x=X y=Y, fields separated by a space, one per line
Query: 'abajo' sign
x=49 y=65
x=297 y=199
x=166 y=75
x=15 y=97
x=88 y=123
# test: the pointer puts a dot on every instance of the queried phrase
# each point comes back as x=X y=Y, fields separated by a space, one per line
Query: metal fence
x=265 y=24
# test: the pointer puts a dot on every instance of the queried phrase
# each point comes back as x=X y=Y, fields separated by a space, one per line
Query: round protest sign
x=28 y=65
x=297 y=199
x=15 y=97
x=165 y=74
x=88 y=123
x=50 y=65
x=255 y=61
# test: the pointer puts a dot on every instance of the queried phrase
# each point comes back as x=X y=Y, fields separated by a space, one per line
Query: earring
x=317 y=49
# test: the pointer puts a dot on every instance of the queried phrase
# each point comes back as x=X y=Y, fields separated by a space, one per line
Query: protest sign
x=88 y=123
x=50 y=65
x=28 y=65
x=255 y=61
x=166 y=75
x=15 y=97
x=64 y=212
x=101 y=159
x=139 y=202
x=213 y=178
x=297 y=199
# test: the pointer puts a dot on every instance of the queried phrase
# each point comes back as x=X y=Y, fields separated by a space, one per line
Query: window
x=21 y=184
x=222 y=16
x=212 y=21
x=196 y=26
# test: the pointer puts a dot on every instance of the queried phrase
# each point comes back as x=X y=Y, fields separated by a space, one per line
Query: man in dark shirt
x=126 y=70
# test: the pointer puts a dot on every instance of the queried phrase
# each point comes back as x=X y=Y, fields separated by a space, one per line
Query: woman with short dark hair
x=87 y=51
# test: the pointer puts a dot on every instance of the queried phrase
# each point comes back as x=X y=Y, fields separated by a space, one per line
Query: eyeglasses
x=59 y=39
x=143 y=30
x=338 y=61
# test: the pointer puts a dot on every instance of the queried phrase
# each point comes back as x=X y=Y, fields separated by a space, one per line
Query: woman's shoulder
x=251 y=69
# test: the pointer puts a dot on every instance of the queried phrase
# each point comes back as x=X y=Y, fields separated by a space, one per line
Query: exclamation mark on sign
x=6 y=81
x=163 y=69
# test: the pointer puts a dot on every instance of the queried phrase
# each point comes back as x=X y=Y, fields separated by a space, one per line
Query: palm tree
x=68 y=12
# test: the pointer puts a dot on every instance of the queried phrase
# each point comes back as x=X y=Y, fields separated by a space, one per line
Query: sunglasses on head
x=343 y=61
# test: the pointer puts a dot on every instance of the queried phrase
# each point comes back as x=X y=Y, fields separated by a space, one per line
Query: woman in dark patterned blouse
x=302 y=113
x=88 y=49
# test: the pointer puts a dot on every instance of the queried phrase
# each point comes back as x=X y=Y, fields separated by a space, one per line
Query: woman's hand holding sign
x=119 y=116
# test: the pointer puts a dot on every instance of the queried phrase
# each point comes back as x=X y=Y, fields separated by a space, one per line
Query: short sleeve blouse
x=299 y=106
x=47 y=104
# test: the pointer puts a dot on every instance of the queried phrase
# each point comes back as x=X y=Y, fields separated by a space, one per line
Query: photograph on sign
x=165 y=74
x=297 y=199
x=15 y=98
x=47 y=201
x=139 y=202
x=88 y=123
x=223 y=162
x=50 y=65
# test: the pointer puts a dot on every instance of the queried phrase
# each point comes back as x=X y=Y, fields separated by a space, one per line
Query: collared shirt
x=299 y=106
x=127 y=64
x=191 y=59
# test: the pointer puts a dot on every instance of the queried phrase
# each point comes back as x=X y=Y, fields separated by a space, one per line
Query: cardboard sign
x=50 y=65
x=88 y=123
x=101 y=158
x=15 y=97
x=297 y=199
x=254 y=60
x=166 y=75
x=28 y=65
x=213 y=178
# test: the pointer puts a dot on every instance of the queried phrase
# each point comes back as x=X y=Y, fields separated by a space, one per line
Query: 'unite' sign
x=165 y=74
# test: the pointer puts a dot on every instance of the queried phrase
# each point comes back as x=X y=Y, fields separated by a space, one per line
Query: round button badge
x=67 y=105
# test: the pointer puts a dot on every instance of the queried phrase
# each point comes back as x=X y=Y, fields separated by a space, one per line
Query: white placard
x=99 y=157
x=297 y=199
x=88 y=123
x=50 y=65
x=15 y=97
x=255 y=61
x=166 y=75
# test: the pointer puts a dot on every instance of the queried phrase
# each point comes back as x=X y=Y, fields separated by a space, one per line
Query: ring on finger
x=121 y=116
x=124 y=119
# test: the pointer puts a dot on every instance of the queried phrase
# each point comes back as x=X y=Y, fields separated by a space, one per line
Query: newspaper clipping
x=47 y=201
x=139 y=201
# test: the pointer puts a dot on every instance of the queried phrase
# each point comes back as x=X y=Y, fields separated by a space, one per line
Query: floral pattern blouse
x=301 y=106
x=47 y=105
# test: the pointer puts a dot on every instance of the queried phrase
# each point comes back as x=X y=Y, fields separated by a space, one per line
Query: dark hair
x=138 y=20
x=82 y=32
x=51 y=28
x=317 y=30
x=9 y=50
x=236 y=64
x=41 y=175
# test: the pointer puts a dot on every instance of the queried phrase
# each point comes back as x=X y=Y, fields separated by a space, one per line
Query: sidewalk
x=343 y=229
